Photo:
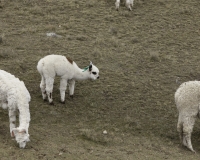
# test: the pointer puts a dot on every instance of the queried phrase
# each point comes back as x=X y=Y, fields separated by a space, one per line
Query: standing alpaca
x=15 y=97
x=128 y=3
x=57 y=65
x=187 y=98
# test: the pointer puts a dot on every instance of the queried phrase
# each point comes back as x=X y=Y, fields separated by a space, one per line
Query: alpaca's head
x=94 y=71
x=21 y=136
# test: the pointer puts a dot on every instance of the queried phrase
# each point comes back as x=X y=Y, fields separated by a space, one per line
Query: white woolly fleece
x=58 y=65
x=128 y=3
x=15 y=97
x=187 y=99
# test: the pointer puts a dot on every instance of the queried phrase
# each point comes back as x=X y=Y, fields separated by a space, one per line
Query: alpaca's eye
x=94 y=73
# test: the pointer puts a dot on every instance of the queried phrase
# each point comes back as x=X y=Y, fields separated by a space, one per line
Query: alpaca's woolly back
x=7 y=88
x=187 y=97
x=57 y=65
x=13 y=86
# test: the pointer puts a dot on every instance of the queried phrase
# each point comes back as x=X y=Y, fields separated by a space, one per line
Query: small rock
x=105 y=132
x=52 y=34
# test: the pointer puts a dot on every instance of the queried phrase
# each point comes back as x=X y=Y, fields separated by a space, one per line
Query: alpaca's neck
x=80 y=74
x=24 y=117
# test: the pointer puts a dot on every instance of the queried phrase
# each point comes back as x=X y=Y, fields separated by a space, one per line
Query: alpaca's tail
x=40 y=66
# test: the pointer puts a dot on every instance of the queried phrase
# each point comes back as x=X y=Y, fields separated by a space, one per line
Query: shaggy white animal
x=57 y=65
x=15 y=97
x=128 y=3
x=187 y=98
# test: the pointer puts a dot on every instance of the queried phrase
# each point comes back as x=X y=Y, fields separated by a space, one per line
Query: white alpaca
x=57 y=65
x=15 y=97
x=187 y=98
x=128 y=3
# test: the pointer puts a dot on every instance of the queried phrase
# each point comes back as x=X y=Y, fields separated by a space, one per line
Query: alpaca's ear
x=90 y=67
x=14 y=132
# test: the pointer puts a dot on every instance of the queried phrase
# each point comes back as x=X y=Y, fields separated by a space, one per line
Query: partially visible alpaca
x=128 y=3
x=187 y=98
x=58 y=65
x=15 y=97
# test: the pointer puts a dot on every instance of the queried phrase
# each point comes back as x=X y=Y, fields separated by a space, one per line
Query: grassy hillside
x=143 y=56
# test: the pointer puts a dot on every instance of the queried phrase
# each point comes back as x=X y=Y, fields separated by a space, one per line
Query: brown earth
x=142 y=55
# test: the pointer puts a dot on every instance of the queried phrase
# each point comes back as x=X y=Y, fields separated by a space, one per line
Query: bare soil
x=143 y=56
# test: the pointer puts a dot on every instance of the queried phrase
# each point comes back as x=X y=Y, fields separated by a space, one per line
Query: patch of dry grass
x=154 y=56
x=139 y=53
x=96 y=137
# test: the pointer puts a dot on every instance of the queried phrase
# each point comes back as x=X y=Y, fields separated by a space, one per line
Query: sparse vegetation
x=139 y=53
x=154 y=56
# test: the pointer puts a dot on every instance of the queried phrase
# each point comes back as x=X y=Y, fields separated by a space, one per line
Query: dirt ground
x=143 y=56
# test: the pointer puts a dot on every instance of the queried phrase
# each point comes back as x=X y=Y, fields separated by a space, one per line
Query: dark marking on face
x=13 y=122
x=94 y=73
x=70 y=61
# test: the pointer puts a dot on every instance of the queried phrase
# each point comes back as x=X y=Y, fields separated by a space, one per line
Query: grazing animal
x=187 y=99
x=58 y=65
x=15 y=97
x=128 y=4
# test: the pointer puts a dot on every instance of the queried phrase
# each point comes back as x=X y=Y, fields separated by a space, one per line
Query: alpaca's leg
x=128 y=4
x=71 y=88
x=188 y=125
x=12 y=119
x=117 y=3
x=180 y=129
x=63 y=87
x=49 y=88
x=42 y=87
x=131 y=3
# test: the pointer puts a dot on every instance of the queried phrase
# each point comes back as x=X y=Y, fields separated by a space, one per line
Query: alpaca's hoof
x=44 y=100
x=72 y=96
x=193 y=150
x=51 y=103
x=63 y=102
